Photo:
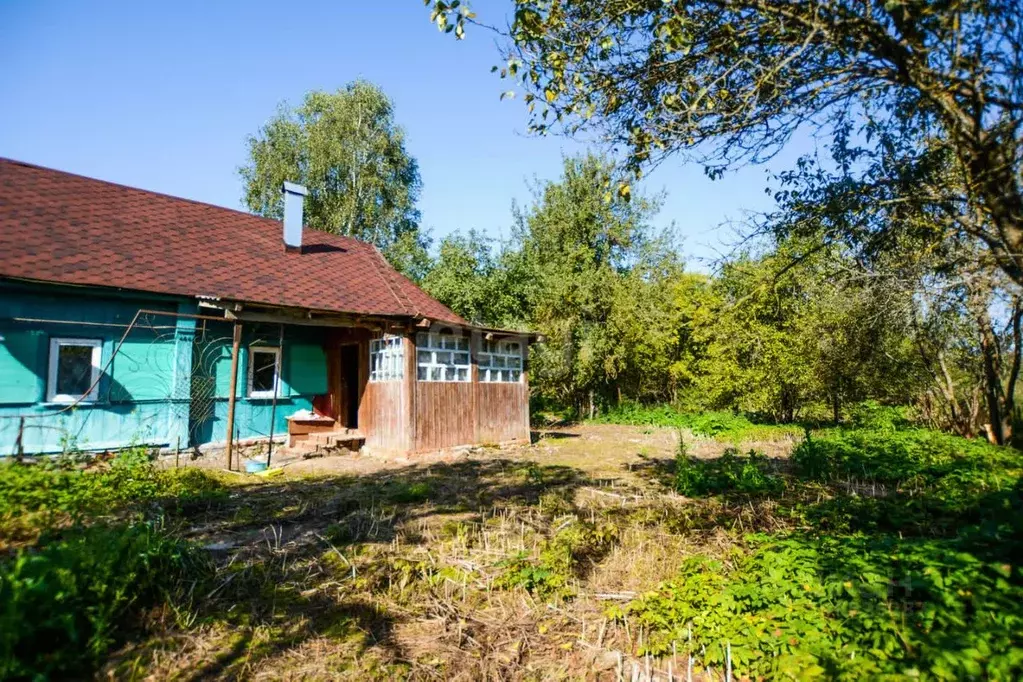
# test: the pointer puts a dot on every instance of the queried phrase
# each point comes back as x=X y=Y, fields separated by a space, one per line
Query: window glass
x=442 y=357
x=264 y=368
x=74 y=369
x=387 y=359
x=501 y=361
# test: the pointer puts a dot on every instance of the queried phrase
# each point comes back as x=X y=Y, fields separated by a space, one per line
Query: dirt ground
x=361 y=567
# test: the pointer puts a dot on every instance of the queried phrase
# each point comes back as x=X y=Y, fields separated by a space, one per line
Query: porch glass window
x=442 y=357
x=501 y=361
x=264 y=371
x=74 y=370
x=386 y=359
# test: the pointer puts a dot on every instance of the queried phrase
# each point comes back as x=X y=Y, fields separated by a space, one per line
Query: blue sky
x=162 y=96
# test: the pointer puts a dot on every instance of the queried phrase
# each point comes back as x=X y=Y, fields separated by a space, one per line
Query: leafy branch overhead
x=726 y=82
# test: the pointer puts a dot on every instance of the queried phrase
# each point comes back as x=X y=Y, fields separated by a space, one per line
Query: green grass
x=723 y=426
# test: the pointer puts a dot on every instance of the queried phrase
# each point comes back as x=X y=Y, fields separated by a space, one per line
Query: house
x=128 y=316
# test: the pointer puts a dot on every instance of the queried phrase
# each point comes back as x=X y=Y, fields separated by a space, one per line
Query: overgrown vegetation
x=918 y=573
x=878 y=550
x=87 y=552
x=724 y=426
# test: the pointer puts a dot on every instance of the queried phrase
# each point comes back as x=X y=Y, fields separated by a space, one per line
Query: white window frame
x=497 y=361
x=277 y=371
x=433 y=347
x=97 y=368
x=387 y=358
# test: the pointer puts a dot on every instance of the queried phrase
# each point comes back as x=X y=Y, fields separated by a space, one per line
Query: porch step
x=333 y=439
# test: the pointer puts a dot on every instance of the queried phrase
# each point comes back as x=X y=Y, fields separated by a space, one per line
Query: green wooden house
x=124 y=315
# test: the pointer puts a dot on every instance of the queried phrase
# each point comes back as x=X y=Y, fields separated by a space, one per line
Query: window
x=74 y=370
x=442 y=357
x=386 y=359
x=501 y=361
x=264 y=371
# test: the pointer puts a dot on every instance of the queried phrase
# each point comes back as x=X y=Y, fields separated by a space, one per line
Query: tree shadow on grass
x=277 y=545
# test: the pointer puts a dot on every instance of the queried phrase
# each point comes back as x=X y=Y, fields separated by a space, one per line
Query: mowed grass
x=599 y=552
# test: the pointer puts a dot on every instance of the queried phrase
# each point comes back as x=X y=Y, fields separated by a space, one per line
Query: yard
x=861 y=553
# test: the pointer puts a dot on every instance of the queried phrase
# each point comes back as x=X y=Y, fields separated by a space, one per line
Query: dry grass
x=412 y=571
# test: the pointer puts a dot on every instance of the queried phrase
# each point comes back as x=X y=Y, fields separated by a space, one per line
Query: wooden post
x=277 y=389
x=235 y=346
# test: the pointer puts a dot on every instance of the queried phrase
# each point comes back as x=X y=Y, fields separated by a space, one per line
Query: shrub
x=63 y=606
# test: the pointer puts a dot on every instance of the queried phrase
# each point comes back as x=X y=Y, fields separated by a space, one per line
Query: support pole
x=277 y=389
x=235 y=346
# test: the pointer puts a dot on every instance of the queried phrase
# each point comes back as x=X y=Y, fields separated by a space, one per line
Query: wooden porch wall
x=385 y=409
x=502 y=412
x=450 y=414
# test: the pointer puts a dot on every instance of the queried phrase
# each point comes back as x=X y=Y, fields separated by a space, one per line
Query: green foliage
x=844 y=608
x=912 y=568
x=64 y=605
x=39 y=494
x=549 y=574
x=724 y=426
x=730 y=472
x=407 y=493
x=346 y=149
x=909 y=458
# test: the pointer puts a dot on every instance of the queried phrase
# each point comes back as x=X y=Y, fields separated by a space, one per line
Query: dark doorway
x=350 y=385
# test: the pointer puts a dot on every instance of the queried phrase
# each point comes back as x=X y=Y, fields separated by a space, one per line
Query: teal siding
x=168 y=384
x=21 y=351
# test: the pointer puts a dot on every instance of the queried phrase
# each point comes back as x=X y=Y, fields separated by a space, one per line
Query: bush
x=63 y=606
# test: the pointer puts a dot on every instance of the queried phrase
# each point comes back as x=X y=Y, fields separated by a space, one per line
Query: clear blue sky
x=162 y=96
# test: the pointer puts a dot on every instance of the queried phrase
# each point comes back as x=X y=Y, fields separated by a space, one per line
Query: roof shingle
x=69 y=229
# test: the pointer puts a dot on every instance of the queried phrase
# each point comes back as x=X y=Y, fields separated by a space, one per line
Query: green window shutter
x=306 y=369
x=222 y=372
x=22 y=366
x=143 y=370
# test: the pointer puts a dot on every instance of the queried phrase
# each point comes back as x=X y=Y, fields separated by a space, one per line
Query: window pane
x=515 y=375
x=443 y=358
x=74 y=370
x=498 y=361
x=463 y=344
x=436 y=373
x=264 y=370
x=515 y=362
x=449 y=374
x=422 y=373
x=463 y=373
x=461 y=358
x=424 y=356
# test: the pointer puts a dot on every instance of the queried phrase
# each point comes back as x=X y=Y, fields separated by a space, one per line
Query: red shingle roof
x=65 y=228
